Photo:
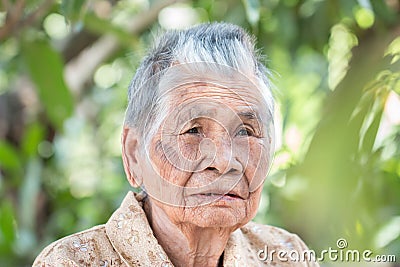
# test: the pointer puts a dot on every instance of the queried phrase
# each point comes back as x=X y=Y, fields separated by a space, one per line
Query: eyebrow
x=248 y=115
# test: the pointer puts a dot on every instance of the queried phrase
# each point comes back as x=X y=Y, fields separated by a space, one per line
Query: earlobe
x=130 y=152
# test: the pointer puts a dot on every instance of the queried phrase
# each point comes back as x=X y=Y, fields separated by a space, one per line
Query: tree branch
x=15 y=20
x=80 y=70
x=39 y=12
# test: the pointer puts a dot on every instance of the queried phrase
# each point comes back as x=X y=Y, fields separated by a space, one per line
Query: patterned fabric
x=127 y=240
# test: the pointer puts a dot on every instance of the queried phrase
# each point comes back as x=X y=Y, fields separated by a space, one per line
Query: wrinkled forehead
x=211 y=90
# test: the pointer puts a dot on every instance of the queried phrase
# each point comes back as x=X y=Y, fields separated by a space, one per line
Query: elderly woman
x=198 y=141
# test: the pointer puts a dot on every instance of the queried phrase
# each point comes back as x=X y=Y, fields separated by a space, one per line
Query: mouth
x=223 y=189
x=230 y=195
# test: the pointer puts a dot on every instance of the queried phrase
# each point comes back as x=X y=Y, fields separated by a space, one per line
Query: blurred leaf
x=318 y=28
x=7 y=225
x=347 y=7
x=370 y=134
x=32 y=137
x=396 y=87
x=46 y=70
x=373 y=102
x=252 y=11
x=100 y=26
x=384 y=12
x=71 y=9
x=394 y=50
x=9 y=158
x=28 y=194
x=287 y=25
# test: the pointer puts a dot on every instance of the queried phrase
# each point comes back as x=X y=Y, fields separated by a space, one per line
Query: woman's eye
x=193 y=130
x=245 y=132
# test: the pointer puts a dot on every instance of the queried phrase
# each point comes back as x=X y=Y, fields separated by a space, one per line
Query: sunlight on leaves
x=56 y=26
x=178 y=16
x=339 y=54
x=365 y=18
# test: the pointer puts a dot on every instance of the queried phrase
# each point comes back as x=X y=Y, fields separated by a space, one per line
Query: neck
x=187 y=244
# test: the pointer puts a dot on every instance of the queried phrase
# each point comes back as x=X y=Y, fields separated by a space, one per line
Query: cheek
x=254 y=201
x=166 y=160
x=180 y=151
x=189 y=148
x=257 y=165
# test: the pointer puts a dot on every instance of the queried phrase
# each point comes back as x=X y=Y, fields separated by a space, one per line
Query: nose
x=222 y=153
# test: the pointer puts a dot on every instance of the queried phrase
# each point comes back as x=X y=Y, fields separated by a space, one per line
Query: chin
x=207 y=216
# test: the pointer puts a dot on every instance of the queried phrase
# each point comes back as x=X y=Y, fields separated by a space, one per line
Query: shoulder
x=273 y=243
x=86 y=248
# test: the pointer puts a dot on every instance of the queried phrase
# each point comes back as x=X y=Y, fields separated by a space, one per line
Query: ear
x=130 y=156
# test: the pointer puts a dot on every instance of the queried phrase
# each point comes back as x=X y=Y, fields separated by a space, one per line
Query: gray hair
x=215 y=44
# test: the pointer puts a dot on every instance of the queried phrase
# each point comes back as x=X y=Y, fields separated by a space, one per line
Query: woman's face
x=208 y=161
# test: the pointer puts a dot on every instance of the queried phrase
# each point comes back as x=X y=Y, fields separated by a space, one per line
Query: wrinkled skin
x=203 y=170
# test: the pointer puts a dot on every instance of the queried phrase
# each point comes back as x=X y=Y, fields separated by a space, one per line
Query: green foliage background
x=65 y=67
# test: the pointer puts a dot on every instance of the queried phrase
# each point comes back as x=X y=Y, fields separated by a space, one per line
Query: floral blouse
x=128 y=240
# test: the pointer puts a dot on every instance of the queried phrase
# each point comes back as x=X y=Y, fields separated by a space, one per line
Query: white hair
x=216 y=48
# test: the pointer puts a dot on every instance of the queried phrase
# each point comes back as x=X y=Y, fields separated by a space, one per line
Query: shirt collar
x=132 y=237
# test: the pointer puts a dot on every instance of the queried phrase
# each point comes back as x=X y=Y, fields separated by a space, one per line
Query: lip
x=215 y=198
x=223 y=187
x=217 y=195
